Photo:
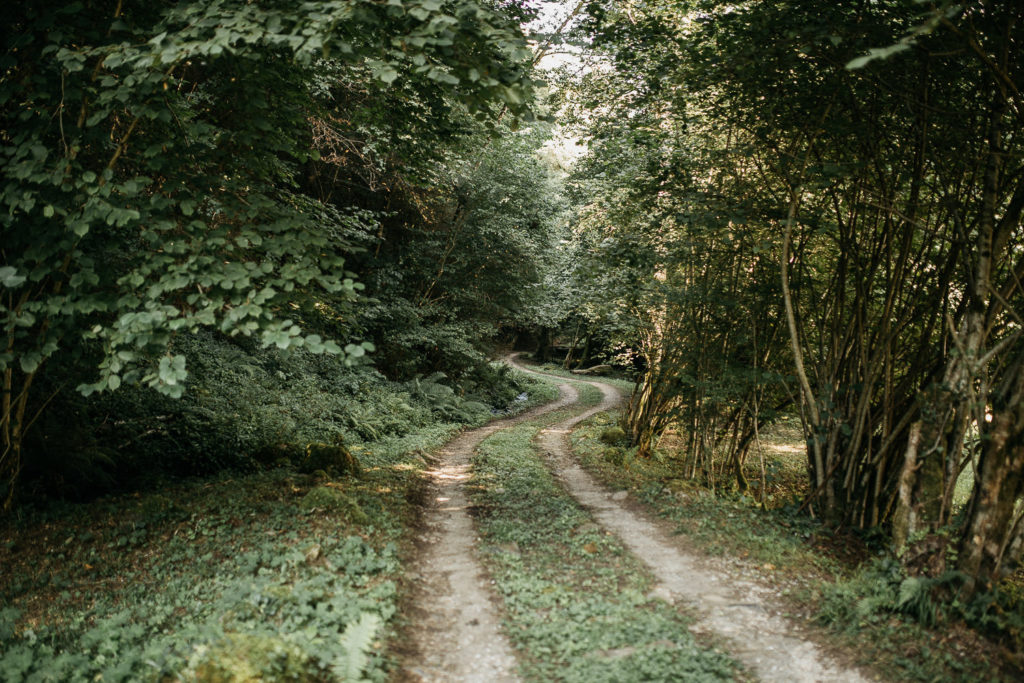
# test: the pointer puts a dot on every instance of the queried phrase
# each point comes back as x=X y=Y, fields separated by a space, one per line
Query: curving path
x=456 y=633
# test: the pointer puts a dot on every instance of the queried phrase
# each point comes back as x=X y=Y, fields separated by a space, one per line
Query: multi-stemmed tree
x=872 y=151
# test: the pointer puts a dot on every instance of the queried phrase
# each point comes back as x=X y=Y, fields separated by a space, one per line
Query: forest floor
x=532 y=575
x=834 y=587
x=524 y=549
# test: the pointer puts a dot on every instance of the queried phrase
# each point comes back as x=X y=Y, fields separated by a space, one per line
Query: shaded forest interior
x=272 y=239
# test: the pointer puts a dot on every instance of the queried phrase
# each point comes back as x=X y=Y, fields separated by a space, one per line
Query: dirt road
x=457 y=634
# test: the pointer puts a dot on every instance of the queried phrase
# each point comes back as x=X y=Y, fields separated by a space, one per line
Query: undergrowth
x=835 y=578
x=288 y=573
x=920 y=624
x=244 y=408
x=208 y=581
x=577 y=603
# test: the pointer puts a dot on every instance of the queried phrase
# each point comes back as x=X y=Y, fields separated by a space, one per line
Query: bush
x=245 y=409
x=333 y=459
x=613 y=436
x=615 y=456
x=883 y=589
x=443 y=401
x=247 y=658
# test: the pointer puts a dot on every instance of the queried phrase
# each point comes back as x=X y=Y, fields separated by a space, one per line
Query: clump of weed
x=334 y=501
x=615 y=456
x=879 y=591
x=613 y=436
x=247 y=658
x=331 y=458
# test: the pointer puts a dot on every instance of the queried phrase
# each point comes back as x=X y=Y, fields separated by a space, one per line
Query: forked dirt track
x=455 y=631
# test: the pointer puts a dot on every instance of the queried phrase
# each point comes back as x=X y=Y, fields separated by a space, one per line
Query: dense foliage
x=229 y=166
x=822 y=205
x=242 y=235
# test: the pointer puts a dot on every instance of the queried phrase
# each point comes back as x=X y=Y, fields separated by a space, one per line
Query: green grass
x=275 y=574
x=166 y=586
x=576 y=601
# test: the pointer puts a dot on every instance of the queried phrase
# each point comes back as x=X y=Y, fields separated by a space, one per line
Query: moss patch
x=335 y=501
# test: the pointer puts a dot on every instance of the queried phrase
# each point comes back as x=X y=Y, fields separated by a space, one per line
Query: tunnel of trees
x=782 y=208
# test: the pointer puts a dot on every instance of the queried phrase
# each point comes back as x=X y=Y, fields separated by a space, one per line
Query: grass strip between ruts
x=578 y=605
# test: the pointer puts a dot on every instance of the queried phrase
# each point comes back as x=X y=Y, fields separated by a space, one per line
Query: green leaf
x=29 y=362
x=355 y=643
x=877 y=53
x=386 y=74
x=9 y=277
x=171 y=370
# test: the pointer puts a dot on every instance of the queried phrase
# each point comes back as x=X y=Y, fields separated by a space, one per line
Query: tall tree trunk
x=543 y=352
x=567 y=363
x=991 y=544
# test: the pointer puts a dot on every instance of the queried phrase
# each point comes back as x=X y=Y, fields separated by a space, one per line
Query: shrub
x=333 y=459
x=247 y=658
x=883 y=589
x=613 y=436
x=443 y=401
x=615 y=456
x=245 y=408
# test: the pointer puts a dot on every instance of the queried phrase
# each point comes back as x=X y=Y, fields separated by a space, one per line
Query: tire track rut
x=456 y=634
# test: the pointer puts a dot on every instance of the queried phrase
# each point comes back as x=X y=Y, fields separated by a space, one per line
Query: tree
x=151 y=162
x=887 y=191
